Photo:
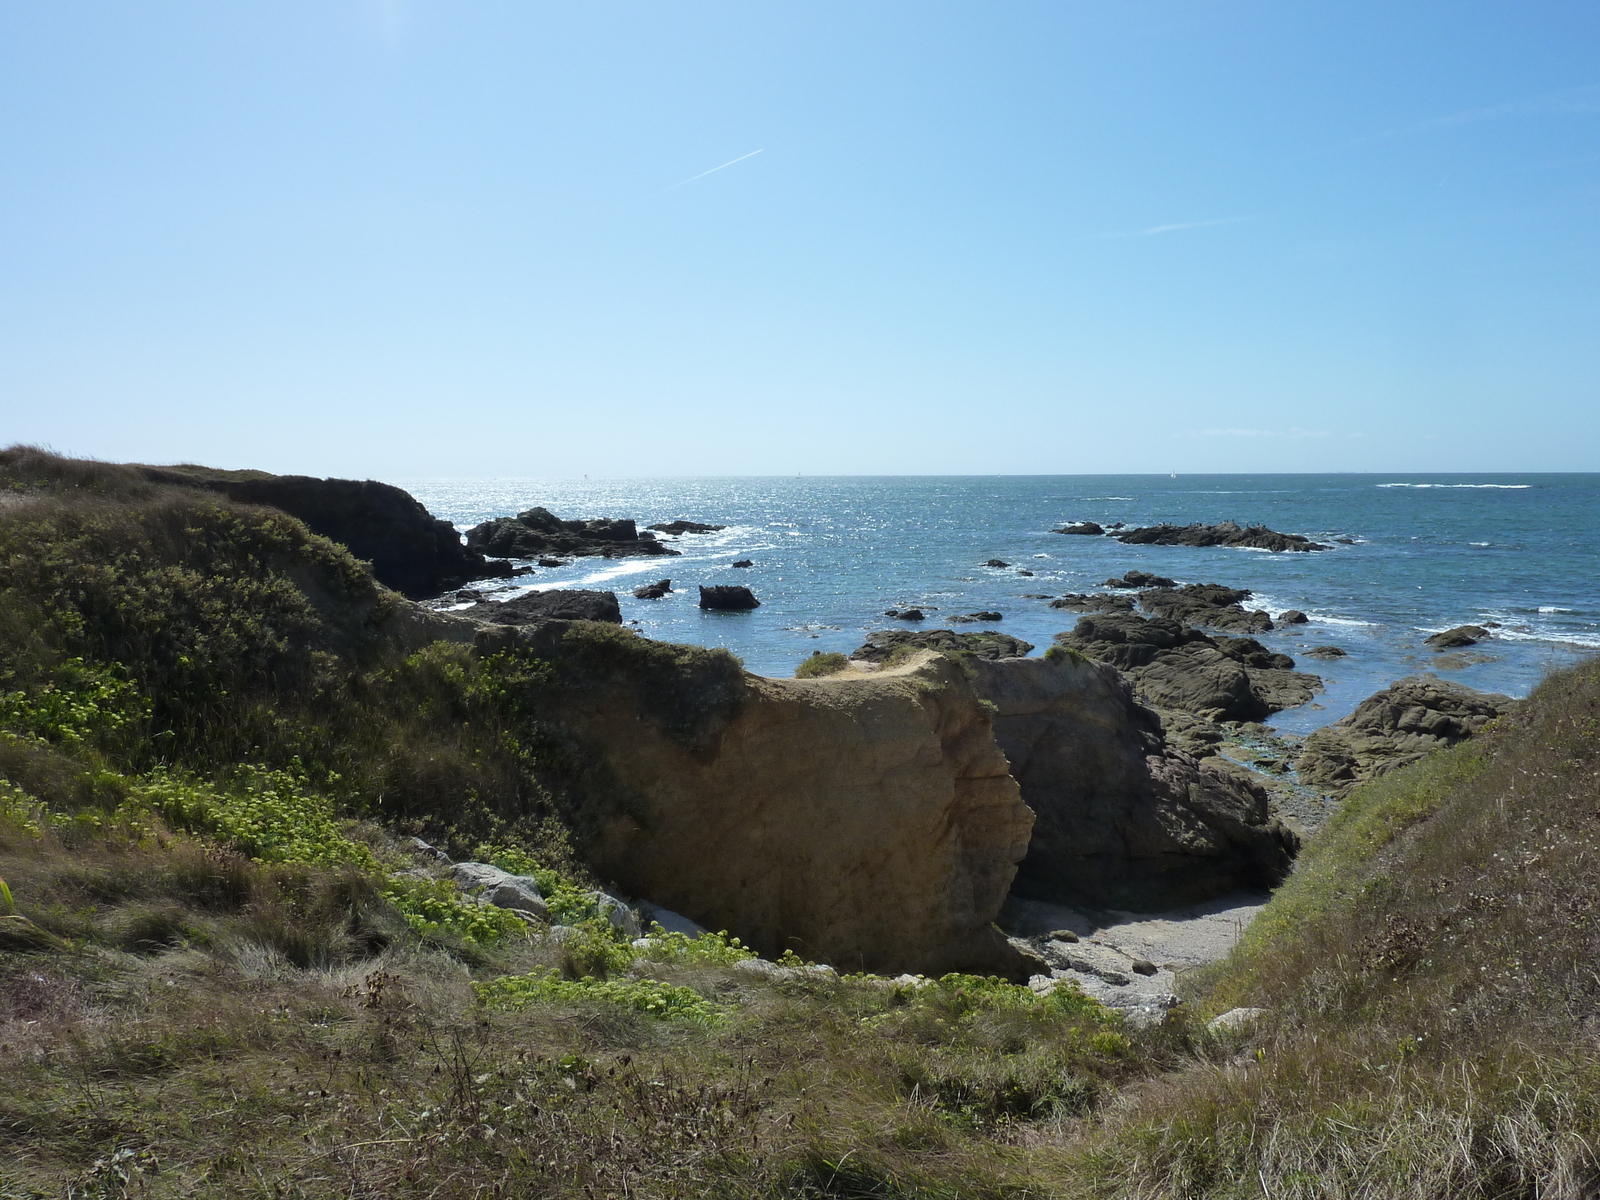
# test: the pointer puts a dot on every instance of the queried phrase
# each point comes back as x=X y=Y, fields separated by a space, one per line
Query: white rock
x=618 y=913
x=500 y=888
x=1235 y=1019
x=670 y=921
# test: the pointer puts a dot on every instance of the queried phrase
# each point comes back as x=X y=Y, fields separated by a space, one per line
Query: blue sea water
x=1429 y=552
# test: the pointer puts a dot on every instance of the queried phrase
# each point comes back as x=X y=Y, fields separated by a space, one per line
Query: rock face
x=1406 y=721
x=539 y=532
x=1461 y=635
x=867 y=821
x=1208 y=604
x=410 y=551
x=728 y=598
x=1257 y=537
x=1123 y=820
x=562 y=605
x=882 y=643
x=681 y=527
x=1174 y=666
x=1088 y=528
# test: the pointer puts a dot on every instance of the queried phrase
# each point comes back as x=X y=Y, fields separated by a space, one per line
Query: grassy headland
x=226 y=974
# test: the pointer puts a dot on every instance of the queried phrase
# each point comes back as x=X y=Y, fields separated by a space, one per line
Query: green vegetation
x=820 y=664
x=222 y=972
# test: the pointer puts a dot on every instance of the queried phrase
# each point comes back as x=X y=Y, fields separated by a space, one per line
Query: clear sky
x=490 y=238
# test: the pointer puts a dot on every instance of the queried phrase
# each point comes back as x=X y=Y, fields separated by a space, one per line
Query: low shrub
x=820 y=664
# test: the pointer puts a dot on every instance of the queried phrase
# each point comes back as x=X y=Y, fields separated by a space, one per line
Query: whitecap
x=1508 y=487
x=1477 y=543
x=1551 y=608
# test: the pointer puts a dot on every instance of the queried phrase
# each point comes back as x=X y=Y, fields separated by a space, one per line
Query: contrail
x=713 y=170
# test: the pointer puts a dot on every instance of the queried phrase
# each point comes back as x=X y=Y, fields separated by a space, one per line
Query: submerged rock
x=1326 y=652
x=1228 y=533
x=681 y=527
x=1087 y=528
x=1399 y=725
x=1461 y=635
x=977 y=616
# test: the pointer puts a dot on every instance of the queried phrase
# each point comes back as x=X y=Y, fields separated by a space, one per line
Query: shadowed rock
x=561 y=605
x=538 y=531
x=653 y=591
x=728 y=597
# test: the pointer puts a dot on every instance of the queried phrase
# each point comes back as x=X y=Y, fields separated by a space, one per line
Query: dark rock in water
x=552 y=562
x=1251 y=653
x=1228 y=533
x=1406 y=721
x=653 y=591
x=987 y=645
x=1088 y=528
x=519 y=571
x=685 y=527
x=728 y=598
x=1036 y=596
x=1081 y=602
x=1343 y=541
x=561 y=605
x=1025 y=571
x=744 y=562
x=1141 y=579
x=996 y=563
x=1124 y=820
x=1293 y=617
x=1326 y=652
x=977 y=616
x=905 y=614
x=1174 y=666
x=1208 y=604
x=1461 y=635
x=410 y=550
x=539 y=532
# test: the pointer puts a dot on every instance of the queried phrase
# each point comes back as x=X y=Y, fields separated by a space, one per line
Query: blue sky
x=408 y=239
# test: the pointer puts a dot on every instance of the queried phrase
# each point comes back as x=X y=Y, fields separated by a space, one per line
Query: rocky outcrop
x=885 y=642
x=561 y=605
x=1174 y=666
x=1208 y=604
x=1405 y=722
x=1123 y=819
x=653 y=591
x=1460 y=636
x=968 y=618
x=864 y=820
x=1327 y=653
x=410 y=550
x=681 y=527
x=1087 y=528
x=539 y=532
x=906 y=614
x=1293 y=617
x=1228 y=533
x=728 y=597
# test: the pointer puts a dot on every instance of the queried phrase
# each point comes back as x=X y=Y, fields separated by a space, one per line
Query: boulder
x=671 y=922
x=864 y=820
x=997 y=563
x=552 y=562
x=977 y=616
x=559 y=605
x=728 y=598
x=653 y=591
x=1399 y=725
x=744 y=562
x=1293 y=617
x=1087 y=528
x=490 y=885
x=538 y=532
x=1461 y=635
x=905 y=614
x=1326 y=652
x=682 y=527
x=410 y=550
x=1025 y=571
x=1235 y=1020
x=990 y=645
x=1122 y=819
x=1228 y=533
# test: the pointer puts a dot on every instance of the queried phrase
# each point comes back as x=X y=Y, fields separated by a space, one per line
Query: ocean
x=1427 y=552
